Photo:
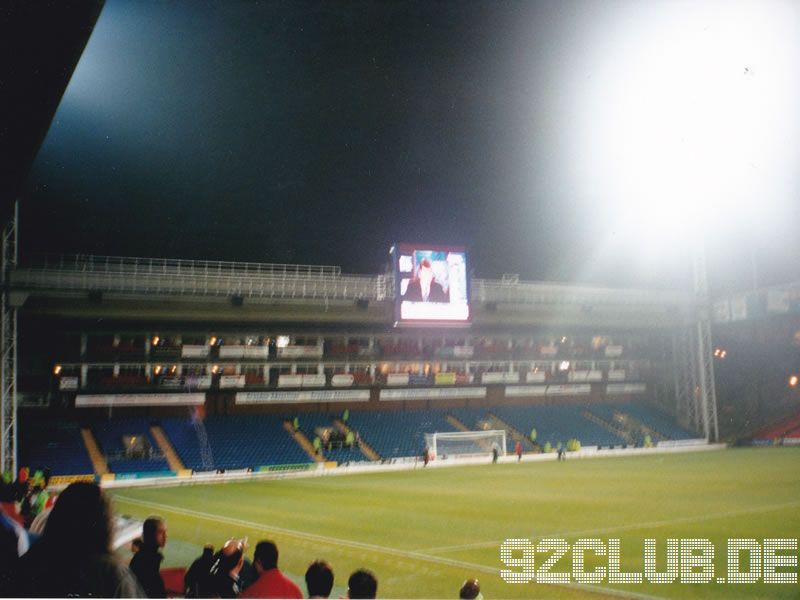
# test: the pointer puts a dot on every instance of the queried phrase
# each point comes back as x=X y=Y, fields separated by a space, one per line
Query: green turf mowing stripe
x=629 y=527
x=371 y=547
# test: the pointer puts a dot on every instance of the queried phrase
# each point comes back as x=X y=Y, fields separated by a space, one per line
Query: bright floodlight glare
x=690 y=114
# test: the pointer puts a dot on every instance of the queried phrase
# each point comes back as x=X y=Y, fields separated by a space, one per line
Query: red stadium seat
x=173 y=581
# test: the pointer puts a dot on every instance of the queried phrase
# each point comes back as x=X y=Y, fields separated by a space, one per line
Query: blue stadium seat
x=309 y=422
x=55 y=444
x=234 y=442
x=556 y=424
x=659 y=421
x=109 y=435
x=395 y=434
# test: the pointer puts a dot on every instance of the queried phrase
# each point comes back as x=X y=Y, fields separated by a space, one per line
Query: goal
x=466 y=443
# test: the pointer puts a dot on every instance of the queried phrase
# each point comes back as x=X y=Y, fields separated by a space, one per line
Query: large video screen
x=431 y=285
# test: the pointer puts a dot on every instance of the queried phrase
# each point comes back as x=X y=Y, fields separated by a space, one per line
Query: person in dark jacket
x=146 y=563
x=198 y=573
x=223 y=581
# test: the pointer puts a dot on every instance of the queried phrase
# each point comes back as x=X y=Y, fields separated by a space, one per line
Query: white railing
x=155 y=266
x=283 y=281
x=188 y=277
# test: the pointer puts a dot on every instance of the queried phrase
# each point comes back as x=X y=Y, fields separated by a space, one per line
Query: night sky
x=321 y=132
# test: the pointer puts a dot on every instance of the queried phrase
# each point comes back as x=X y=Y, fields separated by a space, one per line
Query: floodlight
x=691 y=119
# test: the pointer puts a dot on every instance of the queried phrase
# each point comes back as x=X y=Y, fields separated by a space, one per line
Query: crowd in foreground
x=71 y=556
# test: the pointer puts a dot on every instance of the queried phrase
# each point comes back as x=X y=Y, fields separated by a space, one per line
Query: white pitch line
x=365 y=546
x=629 y=527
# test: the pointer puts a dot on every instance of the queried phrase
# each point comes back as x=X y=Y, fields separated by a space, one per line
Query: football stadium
x=294 y=403
x=404 y=299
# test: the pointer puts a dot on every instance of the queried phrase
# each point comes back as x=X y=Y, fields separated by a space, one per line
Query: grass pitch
x=422 y=532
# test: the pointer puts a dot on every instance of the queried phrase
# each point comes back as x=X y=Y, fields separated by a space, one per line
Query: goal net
x=465 y=443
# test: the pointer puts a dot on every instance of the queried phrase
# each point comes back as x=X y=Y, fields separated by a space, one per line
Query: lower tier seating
x=252 y=441
x=233 y=442
x=52 y=444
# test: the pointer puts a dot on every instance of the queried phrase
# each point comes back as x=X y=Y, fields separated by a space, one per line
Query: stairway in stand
x=303 y=442
x=98 y=460
x=365 y=448
x=173 y=460
x=608 y=426
x=516 y=435
x=459 y=424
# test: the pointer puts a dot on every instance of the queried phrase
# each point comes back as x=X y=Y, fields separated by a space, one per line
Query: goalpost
x=466 y=443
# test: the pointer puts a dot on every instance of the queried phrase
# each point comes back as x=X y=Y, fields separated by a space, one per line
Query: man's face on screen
x=425 y=277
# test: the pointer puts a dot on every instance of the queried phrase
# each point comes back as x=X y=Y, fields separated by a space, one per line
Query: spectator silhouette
x=197 y=573
x=74 y=558
x=362 y=584
x=470 y=590
x=223 y=581
x=146 y=563
x=271 y=583
x=13 y=544
x=319 y=579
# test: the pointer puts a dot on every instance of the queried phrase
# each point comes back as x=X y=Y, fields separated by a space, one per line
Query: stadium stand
x=658 y=420
x=311 y=423
x=234 y=441
x=395 y=434
x=637 y=419
x=556 y=424
x=55 y=444
x=109 y=434
x=785 y=428
x=241 y=442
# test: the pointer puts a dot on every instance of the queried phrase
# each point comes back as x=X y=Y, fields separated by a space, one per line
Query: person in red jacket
x=271 y=583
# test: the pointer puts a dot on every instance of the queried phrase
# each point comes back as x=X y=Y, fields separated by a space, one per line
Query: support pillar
x=8 y=351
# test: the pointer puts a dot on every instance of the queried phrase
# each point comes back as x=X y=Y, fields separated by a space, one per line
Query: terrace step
x=459 y=424
x=98 y=460
x=608 y=426
x=516 y=435
x=173 y=460
x=646 y=429
x=365 y=448
x=303 y=442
